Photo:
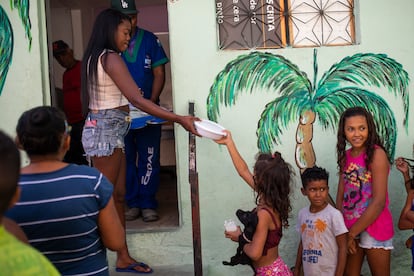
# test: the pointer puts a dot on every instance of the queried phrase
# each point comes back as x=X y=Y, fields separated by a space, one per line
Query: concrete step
x=182 y=270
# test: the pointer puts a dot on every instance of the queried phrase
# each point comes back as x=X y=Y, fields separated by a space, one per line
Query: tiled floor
x=167 y=209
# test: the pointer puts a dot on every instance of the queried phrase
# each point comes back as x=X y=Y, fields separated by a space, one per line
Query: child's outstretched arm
x=237 y=159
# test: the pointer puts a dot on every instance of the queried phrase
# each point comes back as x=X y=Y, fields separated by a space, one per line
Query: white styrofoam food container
x=209 y=129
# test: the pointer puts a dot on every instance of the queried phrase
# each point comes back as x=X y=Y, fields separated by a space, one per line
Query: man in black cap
x=71 y=88
x=146 y=61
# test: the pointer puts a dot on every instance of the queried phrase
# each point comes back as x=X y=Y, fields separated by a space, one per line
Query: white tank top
x=105 y=94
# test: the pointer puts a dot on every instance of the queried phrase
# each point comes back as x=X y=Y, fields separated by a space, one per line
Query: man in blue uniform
x=145 y=59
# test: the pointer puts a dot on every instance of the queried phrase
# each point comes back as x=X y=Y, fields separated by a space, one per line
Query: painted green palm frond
x=252 y=71
x=367 y=69
x=23 y=9
x=277 y=116
x=6 y=46
x=331 y=105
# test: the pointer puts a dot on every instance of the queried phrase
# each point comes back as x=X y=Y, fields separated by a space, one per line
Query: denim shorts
x=104 y=131
x=368 y=242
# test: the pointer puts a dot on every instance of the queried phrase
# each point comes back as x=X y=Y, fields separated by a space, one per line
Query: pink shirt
x=358 y=194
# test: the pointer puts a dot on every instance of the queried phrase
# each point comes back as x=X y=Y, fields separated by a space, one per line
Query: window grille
x=266 y=24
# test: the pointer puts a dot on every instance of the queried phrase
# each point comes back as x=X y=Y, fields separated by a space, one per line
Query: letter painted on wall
x=6 y=36
x=301 y=101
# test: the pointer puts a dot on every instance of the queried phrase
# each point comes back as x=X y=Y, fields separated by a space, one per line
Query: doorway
x=72 y=21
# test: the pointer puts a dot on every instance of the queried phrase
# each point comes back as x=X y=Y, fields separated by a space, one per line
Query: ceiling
x=79 y=4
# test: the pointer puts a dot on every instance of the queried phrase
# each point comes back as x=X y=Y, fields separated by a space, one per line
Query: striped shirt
x=59 y=210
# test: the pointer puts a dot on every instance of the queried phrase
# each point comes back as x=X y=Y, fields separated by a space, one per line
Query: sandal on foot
x=132 y=268
x=149 y=215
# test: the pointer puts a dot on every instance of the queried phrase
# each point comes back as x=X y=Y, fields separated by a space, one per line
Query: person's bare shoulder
x=13 y=228
x=113 y=64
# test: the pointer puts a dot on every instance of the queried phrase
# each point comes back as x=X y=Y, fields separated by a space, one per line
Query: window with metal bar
x=267 y=24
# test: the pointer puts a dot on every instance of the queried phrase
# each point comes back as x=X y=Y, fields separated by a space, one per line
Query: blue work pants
x=143 y=176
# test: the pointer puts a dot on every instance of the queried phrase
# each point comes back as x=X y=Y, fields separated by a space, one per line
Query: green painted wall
x=195 y=61
x=27 y=81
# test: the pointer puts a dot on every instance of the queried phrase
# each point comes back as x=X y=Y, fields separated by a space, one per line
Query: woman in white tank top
x=107 y=87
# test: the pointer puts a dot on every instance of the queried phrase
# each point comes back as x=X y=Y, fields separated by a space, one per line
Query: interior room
x=71 y=21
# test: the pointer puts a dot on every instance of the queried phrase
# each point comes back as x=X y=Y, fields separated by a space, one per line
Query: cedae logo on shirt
x=145 y=179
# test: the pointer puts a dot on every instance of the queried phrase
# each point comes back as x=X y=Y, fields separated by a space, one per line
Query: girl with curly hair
x=270 y=180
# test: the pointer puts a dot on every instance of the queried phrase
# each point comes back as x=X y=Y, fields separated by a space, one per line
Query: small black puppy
x=249 y=220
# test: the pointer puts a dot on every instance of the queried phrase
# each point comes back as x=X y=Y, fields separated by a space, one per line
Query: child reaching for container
x=362 y=193
x=271 y=182
x=322 y=248
x=406 y=220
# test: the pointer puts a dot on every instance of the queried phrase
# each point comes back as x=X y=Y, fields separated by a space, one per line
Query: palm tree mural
x=6 y=36
x=344 y=85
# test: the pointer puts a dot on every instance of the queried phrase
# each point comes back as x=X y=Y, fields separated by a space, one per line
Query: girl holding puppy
x=270 y=180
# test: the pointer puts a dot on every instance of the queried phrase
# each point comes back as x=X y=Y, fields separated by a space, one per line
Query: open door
x=71 y=21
